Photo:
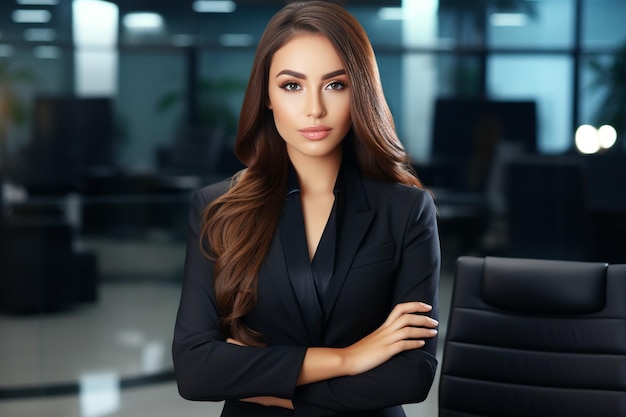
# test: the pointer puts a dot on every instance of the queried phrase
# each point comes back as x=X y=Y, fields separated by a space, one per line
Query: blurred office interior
x=113 y=112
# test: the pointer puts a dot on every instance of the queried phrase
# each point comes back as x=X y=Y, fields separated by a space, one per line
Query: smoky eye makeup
x=289 y=85
x=336 y=85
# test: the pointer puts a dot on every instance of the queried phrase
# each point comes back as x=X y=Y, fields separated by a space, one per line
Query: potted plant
x=213 y=98
x=204 y=142
x=12 y=107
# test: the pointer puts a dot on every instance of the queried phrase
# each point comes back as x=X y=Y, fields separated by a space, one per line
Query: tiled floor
x=90 y=351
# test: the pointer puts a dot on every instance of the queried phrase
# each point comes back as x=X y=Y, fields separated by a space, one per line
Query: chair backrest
x=529 y=337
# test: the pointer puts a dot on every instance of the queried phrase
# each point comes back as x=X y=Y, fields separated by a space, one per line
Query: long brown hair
x=238 y=226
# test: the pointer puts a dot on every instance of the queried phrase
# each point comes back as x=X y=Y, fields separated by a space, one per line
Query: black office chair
x=40 y=271
x=530 y=337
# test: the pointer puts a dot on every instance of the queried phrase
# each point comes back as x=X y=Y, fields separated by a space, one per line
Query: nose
x=315 y=106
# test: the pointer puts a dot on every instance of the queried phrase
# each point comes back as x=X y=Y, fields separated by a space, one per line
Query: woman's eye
x=336 y=85
x=290 y=86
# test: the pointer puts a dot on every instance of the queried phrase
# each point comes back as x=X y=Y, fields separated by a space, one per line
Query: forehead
x=308 y=54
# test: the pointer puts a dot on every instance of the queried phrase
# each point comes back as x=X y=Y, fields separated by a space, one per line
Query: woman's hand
x=263 y=400
x=234 y=342
x=403 y=330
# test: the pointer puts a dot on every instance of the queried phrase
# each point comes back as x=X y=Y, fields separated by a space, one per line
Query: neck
x=317 y=175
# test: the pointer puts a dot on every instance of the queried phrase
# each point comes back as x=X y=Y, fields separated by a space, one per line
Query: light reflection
x=152 y=357
x=587 y=139
x=131 y=338
x=608 y=136
x=590 y=140
x=99 y=394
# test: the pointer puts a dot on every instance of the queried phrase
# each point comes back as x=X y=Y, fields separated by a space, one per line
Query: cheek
x=283 y=119
x=344 y=112
x=282 y=115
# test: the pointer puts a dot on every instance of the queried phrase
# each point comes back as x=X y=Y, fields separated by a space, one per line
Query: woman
x=311 y=278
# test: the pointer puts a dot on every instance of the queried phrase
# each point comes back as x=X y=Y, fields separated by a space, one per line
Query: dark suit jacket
x=387 y=253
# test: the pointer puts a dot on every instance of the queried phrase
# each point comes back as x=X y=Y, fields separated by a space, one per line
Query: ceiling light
x=38 y=2
x=391 y=13
x=40 y=35
x=508 y=19
x=31 y=16
x=143 y=21
x=206 y=6
x=236 y=39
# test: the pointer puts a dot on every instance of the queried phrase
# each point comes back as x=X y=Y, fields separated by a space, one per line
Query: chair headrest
x=544 y=286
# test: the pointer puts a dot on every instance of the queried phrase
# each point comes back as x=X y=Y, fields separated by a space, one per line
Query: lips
x=315 y=132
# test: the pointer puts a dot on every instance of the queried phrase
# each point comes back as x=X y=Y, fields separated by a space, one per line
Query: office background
x=113 y=112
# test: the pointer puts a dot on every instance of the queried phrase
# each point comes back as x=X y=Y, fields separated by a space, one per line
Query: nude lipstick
x=315 y=132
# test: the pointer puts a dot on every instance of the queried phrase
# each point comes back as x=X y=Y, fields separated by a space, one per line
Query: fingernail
x=435 y=322
x=428 y=306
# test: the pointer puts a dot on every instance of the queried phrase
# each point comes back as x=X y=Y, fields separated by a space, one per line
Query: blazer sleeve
x=206 y=366
x=408 y=376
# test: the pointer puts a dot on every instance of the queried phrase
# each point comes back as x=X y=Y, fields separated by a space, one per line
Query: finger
x=408 y=307
x=410 y=320
x=410 y=344
x=412 y=333
x=416 y=320
x=234 y=341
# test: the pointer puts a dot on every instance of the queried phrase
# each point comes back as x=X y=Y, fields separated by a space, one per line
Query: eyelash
x=292 y=86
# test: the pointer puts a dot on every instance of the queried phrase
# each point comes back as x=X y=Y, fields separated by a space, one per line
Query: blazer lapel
x=276 y=268
x=355 y=221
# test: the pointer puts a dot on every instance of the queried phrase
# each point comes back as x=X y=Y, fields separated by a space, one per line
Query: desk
x=60 y=246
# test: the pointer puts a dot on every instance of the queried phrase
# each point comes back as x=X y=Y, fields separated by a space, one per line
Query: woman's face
x=309 y=94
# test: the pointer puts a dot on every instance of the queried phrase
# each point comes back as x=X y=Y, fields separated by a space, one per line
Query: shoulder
x=205 y=195
x=395 y=193
x=403 y=204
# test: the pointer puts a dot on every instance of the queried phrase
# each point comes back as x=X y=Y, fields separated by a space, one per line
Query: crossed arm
x=403 y=330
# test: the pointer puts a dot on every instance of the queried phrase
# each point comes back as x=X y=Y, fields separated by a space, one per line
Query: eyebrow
x=304 y=77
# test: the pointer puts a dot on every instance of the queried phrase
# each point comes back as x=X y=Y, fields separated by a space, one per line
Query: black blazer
x=387 y=253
